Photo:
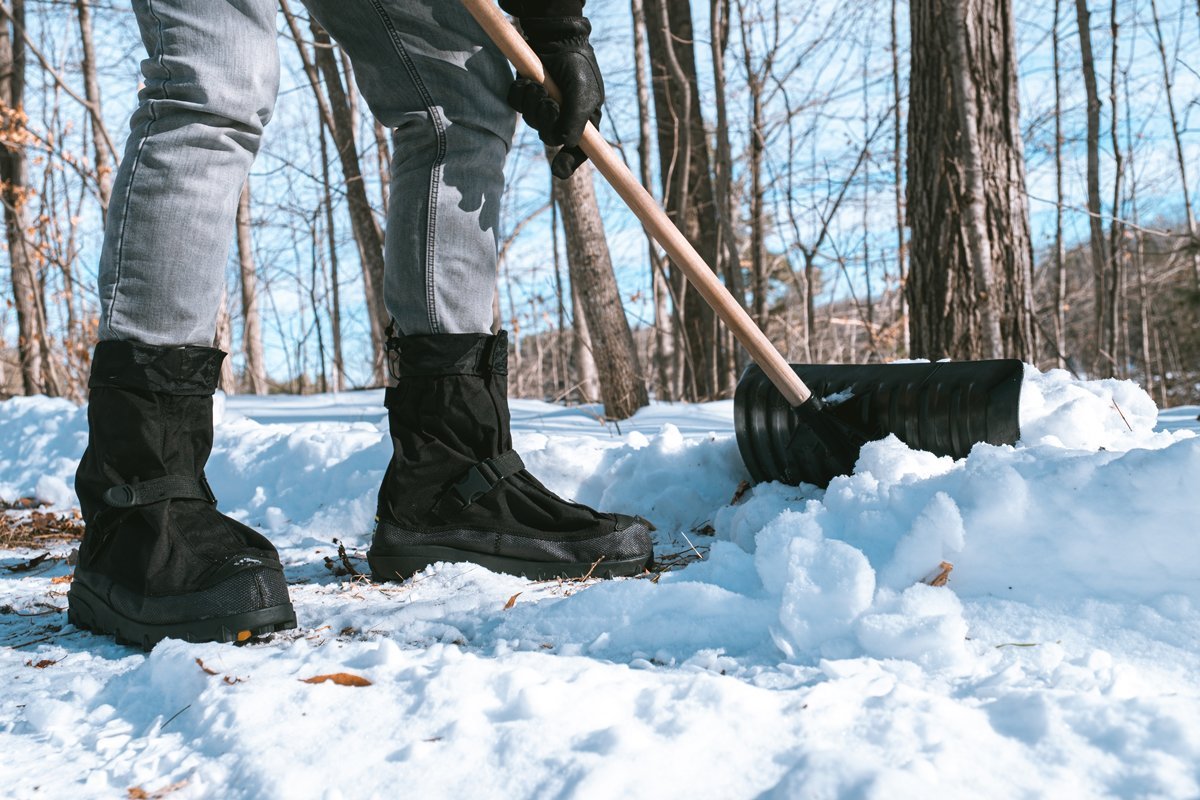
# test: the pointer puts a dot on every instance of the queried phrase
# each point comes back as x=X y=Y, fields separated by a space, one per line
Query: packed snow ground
x=803 y=656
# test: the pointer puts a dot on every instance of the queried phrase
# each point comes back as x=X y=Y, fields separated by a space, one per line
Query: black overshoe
x=456 y=491
x=157 y=559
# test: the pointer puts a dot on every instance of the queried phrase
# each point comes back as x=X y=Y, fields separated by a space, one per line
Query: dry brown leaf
x=61 y=579
x=28 y=565
x=742 y=488
x=19 y=503
x=943 y=575
x=512 y=601
x=340 y=678
x=45 y=662
x=138 y=793
x=206 y=670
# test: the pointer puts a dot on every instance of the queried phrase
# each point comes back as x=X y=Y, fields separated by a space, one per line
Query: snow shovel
x=806 y=423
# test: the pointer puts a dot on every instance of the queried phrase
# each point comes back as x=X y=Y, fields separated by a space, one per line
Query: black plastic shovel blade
x=944 y=407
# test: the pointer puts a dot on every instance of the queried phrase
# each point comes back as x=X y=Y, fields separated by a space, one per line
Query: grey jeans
x=428 y=73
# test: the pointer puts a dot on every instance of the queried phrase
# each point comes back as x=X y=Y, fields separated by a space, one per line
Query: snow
x=806 y=654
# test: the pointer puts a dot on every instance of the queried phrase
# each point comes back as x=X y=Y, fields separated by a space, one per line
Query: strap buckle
x=478 y=481
x=475 y=484
x=155 y=490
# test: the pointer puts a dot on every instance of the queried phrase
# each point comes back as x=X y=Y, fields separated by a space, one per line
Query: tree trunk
x=1095 y=209
x=15 y=191
x=1193 y=250
x=664 y=321
x=337 y=116
x=1115 y=234
x=685 y=166
x=970 y=279
x=252 y=346
x=383 y=160
x=1060 y=258
x=731 y=262
x=758 y=223
x=898 y=184
x=362 y=218
x=585 y=363
x=621 y=383
x=223 y=340
x=335 y=306
x=91 y=87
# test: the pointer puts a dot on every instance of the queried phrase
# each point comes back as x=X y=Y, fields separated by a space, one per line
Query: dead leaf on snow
x=19 y=503
x=45 y=662
x=138 y=793
x=61 y=579
x=206 y=670
x=512 y=601
x=340 y=678
x=25 y=566
x=943 y=575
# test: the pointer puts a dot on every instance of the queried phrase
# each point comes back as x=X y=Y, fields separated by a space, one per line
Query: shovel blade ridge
x=945 y=407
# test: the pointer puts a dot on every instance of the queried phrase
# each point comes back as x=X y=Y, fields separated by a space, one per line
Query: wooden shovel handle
x=641 y=203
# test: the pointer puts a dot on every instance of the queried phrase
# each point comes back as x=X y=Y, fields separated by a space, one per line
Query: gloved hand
x=562 y=44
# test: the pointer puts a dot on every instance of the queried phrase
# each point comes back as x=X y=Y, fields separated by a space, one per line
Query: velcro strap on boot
x=478 y=481
x=168 y=487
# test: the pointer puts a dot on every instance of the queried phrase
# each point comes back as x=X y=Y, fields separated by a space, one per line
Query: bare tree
x=1094 y=205
x=91 y=87
x=1168 y=85
x=252 y=344
x=1060 y=267
x=337 y=116
x=970 y=280
x=621 y=383
x=686 y=174
x=587 y=376
x=898 y=183
x=15 y=193
x=223 y=340
x=664 y=321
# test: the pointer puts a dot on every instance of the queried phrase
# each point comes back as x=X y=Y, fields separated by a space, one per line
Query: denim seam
x=435 y=171
x=137 y=158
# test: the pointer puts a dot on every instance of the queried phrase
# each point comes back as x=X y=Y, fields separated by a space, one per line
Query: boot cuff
x=448 y=354
x=188 y=370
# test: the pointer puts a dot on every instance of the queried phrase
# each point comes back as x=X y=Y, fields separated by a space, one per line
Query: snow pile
x=805 y=654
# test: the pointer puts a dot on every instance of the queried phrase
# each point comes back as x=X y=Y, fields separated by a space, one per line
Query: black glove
x=562 y=44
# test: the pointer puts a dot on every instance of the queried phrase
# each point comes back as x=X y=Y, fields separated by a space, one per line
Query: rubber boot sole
x=87 y=610
x=399 y=565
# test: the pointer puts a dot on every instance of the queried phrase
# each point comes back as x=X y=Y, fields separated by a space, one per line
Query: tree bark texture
x=362 y=217
x=970 y=274
x=1095 y=208
x=664 y=321
x=91 y=88
x=14 y=189
x=252 y=345
x=588 y=380
x=223 y=340
x=688 y=194
x=622 y=386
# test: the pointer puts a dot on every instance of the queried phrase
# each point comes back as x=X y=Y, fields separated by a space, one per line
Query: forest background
x=874 y=180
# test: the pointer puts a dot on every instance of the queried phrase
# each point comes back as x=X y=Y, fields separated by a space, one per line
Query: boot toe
x=244 y=599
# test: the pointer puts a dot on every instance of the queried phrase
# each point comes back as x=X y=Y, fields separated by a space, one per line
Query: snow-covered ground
x=805 y=655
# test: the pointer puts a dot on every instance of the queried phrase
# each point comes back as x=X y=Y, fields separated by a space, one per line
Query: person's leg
x=157 y=558
x=429 y=74
x=455 y=490
x=211 y=75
